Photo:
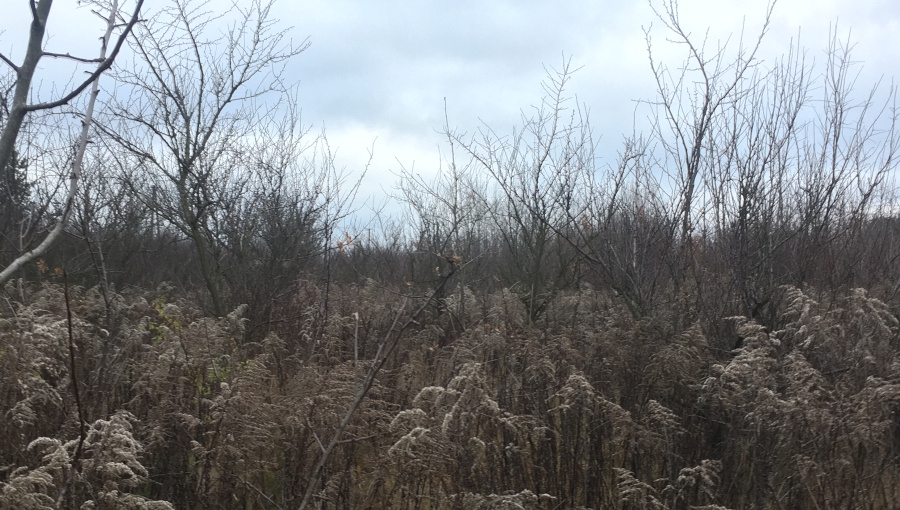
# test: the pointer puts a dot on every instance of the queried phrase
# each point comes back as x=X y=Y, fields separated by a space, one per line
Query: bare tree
x=689 y=100
x=283 y=224
x=622 y=228
x=20 y=107
x=763 y=178
x=538 y=170
x=449 y=218
x=194 y=99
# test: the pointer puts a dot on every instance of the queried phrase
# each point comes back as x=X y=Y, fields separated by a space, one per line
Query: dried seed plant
x=110 y=467
x=704 y=347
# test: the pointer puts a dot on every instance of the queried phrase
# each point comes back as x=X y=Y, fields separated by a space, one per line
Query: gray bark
x=20 y=108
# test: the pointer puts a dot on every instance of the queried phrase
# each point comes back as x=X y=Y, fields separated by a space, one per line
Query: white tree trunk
x=54 y=234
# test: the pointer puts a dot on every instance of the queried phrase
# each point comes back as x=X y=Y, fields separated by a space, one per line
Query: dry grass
x=587 y=408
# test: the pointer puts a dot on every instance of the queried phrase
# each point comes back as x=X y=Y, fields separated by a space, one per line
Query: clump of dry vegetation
x=708 y=322
x=181 y=411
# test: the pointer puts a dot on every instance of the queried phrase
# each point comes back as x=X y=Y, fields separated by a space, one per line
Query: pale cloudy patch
x=385 y=152
x=381 y=69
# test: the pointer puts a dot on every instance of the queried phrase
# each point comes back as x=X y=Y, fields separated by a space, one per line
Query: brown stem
x=65 y=493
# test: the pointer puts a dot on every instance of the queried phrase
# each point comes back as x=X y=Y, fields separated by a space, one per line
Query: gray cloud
x=383 y=68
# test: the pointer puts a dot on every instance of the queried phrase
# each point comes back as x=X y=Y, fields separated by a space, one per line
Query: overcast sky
x=379 y=71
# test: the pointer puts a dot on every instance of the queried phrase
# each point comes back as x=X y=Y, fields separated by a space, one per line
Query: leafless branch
x=9 y=62
x=104 y=65
x=72 y=57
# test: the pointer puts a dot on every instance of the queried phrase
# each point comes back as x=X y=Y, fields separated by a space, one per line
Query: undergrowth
x=587 y=407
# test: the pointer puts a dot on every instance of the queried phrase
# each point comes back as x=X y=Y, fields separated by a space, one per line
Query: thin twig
x=318 y=441
x=73 y=57
x=260 y=492
x=9 y=62
x=64 y=494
